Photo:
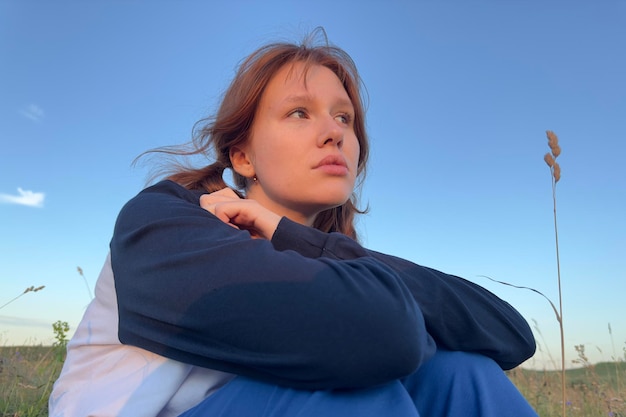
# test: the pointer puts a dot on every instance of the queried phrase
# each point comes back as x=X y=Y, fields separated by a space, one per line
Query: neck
x=298 y=216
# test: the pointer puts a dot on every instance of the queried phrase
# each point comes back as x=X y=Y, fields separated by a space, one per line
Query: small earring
x=254 y=179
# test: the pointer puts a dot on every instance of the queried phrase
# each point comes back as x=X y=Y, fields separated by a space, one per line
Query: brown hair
x=232 y=124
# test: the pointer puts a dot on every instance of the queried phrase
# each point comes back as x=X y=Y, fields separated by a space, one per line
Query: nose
x=331 y=133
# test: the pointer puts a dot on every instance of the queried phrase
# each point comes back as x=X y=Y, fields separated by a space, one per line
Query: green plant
x=60 y=328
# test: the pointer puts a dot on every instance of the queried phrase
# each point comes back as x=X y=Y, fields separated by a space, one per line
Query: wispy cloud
x=23 y=322
x=33 y=112
x=24 y=197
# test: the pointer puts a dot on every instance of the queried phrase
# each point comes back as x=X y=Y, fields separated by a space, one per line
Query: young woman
x=260 y=301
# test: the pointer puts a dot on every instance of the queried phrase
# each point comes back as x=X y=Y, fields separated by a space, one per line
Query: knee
x=459 y=367
x=467 y=361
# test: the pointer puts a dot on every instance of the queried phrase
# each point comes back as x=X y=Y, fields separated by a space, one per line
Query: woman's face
x=302 y=145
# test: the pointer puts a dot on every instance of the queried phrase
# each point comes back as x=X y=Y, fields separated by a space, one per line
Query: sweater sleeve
x=459 y=314
x=196 y=290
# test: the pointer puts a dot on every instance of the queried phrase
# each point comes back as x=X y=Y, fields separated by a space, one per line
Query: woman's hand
x=241 y=213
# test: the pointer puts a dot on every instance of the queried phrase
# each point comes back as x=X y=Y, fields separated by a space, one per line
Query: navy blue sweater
x=307 y=309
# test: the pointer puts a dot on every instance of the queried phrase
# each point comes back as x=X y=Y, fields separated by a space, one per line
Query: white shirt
x=101 y=377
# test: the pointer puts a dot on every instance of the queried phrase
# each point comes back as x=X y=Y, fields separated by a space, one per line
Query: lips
x=333 y=165
x=330 y=160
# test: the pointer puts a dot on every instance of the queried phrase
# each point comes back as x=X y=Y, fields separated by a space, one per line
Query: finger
x=211 y=199
x=220 y=214
x=225 y=194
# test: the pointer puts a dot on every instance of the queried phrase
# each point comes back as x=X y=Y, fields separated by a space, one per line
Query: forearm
x=461 y=315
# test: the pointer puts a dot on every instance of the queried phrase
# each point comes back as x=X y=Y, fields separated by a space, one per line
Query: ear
x=241 y=161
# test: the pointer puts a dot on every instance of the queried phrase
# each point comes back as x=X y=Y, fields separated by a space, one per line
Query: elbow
x=520 y=351
x=528 y=347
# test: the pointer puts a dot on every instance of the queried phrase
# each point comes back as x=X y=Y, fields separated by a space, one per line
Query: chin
x=323 y=199
x=330 y=203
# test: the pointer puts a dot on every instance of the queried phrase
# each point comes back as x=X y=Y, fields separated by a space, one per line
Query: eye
x=298 y=114
x=344 y=118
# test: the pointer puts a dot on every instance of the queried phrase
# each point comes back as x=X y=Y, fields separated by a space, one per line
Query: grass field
x=593 y=390
x=27 y=375
x=26 y=378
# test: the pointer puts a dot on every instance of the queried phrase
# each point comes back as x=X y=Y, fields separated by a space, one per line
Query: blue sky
x=460 y=97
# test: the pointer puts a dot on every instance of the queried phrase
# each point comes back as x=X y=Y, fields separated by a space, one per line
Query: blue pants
x=450 y=384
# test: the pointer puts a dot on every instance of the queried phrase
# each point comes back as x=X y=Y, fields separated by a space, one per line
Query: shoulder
x=162 y=195
x=165 y=199
x=167 y=189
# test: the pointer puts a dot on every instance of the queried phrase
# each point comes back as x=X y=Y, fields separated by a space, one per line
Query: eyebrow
x=299 y=98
